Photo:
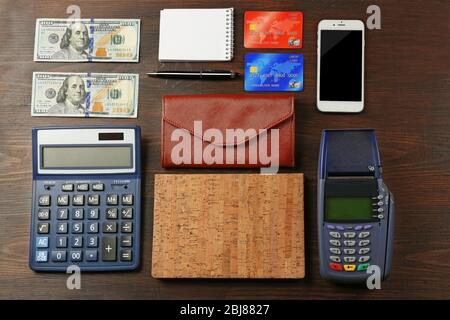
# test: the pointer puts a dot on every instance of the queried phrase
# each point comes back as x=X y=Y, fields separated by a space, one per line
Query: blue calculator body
x=86 y=198
x=355 y=207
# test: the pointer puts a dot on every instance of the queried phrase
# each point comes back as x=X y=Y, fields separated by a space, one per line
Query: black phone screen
x=340 y=65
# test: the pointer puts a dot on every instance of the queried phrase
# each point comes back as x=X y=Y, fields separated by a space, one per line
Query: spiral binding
x=229 y=21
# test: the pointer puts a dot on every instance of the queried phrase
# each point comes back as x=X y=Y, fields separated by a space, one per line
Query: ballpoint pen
x=207 y=74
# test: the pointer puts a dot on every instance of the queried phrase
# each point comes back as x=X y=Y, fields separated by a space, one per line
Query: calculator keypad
x=87 y=223
x=352 y=251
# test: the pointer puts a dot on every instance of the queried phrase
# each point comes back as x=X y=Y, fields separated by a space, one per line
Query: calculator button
x=91 y=255
x=112 y=199
x=92 y=227
x=63 y=214
x=77 y=242
x=78 y=200
x=349 y=251
x=335 y=234
x=340 y=228
x=109 y=248
x=368 y=227
x=364 y=243
x=93 y=200
x=109 y=227
x=78 y=214
x=126 y=241
x=349 y=267
x=61 y=227
x=43 y=214
x=335 y=250
x=127 y=199
x=98 y=187
x=126 y=213
x=349 y=235
x=83 y=187
x=349 y=243
x=43 y=228
x=92 y=242
x=330 y=227
x=126 y=255
x=358 y=228
x=61 y=242
x=63 y=200
x=335 y=243
x=111 y=213
x=42 y=242
x=349 y=259
x=77 y=227
x=335 y=266
x=44 y=200
x=59 y=256
x=363 y=234
x=76 y=256
x=363 y=266
x=363 y=251
x=93 y=214
x=363 y=259
x=127 y=227
x=67 y=187
x=41 y=256
x=335 y=259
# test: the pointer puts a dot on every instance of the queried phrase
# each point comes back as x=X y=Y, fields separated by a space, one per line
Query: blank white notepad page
x=196 y=35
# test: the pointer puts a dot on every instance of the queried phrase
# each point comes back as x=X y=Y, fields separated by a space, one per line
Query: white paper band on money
x=71 y=40
x=113 y=95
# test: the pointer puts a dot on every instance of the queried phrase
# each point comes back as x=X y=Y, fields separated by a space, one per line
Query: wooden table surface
x=407 y=102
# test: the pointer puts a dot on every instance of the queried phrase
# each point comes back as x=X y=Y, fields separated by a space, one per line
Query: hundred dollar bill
x=113 y=95
x=69 y=40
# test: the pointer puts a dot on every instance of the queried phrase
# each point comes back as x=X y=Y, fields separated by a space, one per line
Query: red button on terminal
x=336 y=266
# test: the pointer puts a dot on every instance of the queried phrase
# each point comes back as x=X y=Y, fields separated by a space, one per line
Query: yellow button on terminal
x=349 y=267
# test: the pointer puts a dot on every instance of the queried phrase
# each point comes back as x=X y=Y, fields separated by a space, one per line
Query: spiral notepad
x=196 y=35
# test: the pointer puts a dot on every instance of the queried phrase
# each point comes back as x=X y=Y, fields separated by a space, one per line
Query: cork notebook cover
x=228 y=226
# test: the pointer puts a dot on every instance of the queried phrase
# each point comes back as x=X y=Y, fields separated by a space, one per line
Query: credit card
x=273 y=29
x=273 y=72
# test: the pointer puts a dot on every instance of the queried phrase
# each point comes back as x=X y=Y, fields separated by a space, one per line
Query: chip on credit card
x=273 y=29
x=273 y=72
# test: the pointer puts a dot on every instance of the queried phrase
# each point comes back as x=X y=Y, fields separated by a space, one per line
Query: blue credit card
x=273 y=72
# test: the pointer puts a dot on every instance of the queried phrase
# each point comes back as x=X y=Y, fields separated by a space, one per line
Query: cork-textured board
x=228 y=226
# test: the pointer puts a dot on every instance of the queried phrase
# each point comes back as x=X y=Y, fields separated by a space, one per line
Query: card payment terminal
x=355 y=207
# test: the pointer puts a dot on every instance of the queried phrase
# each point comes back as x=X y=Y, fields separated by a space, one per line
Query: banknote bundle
x=83 y=40
x=113 y=95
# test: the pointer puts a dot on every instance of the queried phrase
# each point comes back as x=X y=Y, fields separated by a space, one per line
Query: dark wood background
x=407 y=102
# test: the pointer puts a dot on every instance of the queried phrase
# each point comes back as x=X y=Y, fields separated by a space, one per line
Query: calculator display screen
x=82 y=157
x=348 y=208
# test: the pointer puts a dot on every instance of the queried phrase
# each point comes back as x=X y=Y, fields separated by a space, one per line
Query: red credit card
x=273 y=29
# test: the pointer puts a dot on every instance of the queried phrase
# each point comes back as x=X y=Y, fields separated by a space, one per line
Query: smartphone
x=340 y=66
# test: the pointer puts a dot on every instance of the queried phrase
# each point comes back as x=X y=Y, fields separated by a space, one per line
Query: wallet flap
x=228 y=111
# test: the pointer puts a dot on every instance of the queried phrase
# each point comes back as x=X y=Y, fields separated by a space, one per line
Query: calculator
x=355 y=207
x=86 y=198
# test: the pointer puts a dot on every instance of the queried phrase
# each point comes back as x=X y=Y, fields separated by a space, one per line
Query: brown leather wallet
x=244 y=121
